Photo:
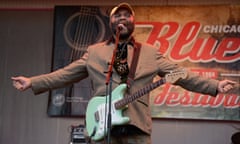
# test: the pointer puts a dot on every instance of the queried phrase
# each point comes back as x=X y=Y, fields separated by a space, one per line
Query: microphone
x=121 y=27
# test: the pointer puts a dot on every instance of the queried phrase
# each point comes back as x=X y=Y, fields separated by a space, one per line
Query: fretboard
x=130 y=98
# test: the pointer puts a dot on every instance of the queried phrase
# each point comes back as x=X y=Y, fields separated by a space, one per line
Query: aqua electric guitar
x=97 y=109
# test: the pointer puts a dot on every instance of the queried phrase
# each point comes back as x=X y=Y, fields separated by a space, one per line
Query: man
x=150 y=63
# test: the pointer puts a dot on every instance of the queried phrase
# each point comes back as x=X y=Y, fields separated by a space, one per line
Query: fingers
x=227 y=88
x=14 y=78
x=18 y=85
x=17 y=78
x=231 y=82
x=226 y=85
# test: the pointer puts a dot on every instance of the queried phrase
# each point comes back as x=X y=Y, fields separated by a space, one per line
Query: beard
x=124 y=34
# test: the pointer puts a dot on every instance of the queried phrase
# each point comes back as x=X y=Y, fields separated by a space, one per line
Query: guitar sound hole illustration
x=83 y=29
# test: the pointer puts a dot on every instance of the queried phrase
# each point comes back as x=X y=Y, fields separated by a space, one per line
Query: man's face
x=125 y=18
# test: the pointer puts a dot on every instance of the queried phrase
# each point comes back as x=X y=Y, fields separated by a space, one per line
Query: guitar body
x=97 y=111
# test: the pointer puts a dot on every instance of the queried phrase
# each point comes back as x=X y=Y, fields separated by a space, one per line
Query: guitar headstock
x=172 y=77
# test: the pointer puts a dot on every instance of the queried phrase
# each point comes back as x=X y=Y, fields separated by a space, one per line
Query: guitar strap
x=136 y=52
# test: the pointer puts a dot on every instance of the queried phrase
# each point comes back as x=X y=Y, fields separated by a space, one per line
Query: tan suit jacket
x=95 y=62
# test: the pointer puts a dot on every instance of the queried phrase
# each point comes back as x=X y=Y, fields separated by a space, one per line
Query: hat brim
x=122 y=5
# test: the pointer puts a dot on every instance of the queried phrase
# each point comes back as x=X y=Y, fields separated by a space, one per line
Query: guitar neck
x=130 y=98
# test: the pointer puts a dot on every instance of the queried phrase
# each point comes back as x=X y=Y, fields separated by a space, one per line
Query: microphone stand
x=109 y=81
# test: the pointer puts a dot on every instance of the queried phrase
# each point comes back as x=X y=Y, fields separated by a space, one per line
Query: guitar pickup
x=96 y=115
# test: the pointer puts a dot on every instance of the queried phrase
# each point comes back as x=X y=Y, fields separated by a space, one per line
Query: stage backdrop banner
x=203 y=39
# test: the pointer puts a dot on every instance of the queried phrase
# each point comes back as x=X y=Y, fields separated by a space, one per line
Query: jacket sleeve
x=192 y=82
x=72 y=73
x=199 y=84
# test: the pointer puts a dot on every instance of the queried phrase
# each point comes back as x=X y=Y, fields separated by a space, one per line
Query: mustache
x=129 y=26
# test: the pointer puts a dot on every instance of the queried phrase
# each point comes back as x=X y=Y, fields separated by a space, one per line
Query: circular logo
x=58 y=100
